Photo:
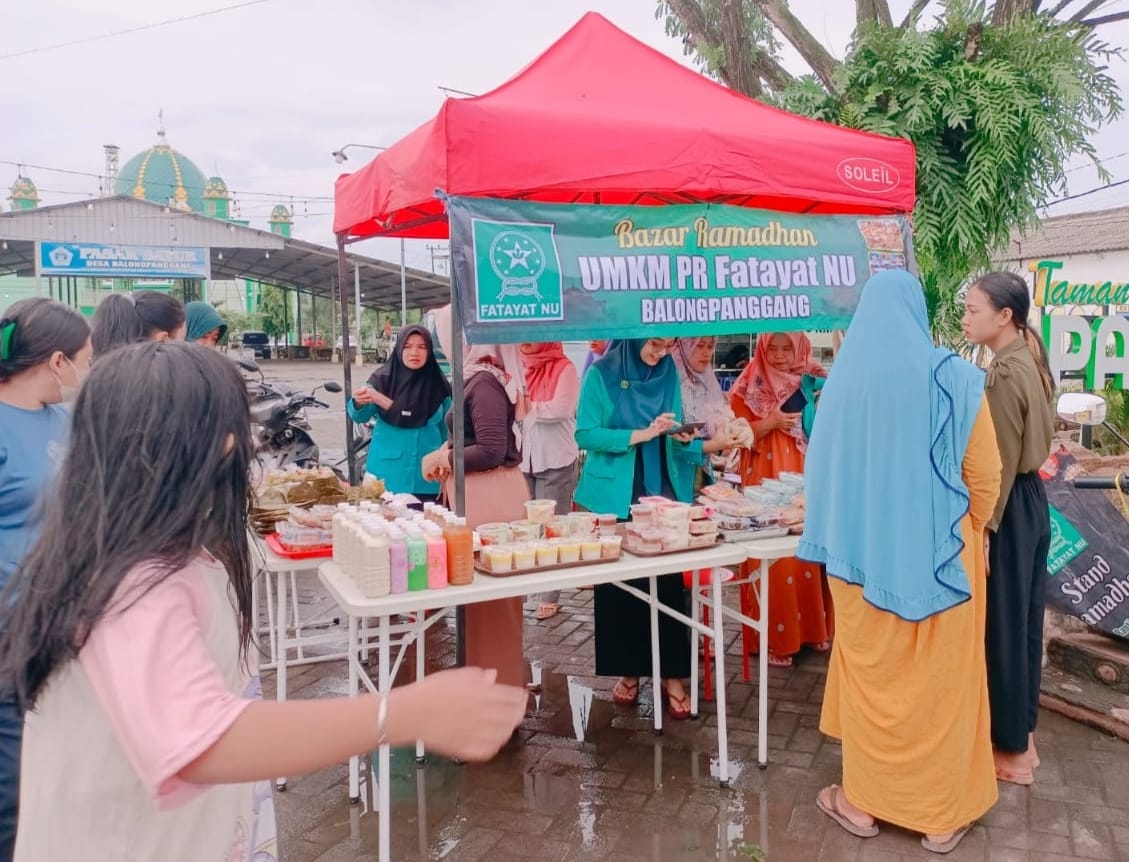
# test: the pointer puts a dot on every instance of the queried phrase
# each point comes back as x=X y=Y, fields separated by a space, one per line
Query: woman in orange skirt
x=768 y=395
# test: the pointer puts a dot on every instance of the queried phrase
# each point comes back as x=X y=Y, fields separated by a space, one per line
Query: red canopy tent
x=602 y=118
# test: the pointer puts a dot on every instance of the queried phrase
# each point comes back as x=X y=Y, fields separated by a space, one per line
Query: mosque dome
x=162 y=175
x=281 y=213
x=23 y=189
x=216 y=188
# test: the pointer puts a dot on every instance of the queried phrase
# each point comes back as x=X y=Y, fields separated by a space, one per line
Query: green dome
x=280 y=213
x=163 y=176
x=24 y=189
x=215 y=188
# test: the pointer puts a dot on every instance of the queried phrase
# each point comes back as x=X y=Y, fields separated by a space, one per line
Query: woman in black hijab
x=407 y=400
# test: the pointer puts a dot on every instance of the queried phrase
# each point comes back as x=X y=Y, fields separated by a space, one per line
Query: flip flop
x=947 y=846
x=677 y=707
x=832 y=810
x=779 y=661
x=822 y=647
x=547 y=610
x=1015 y=776
x=632 y=693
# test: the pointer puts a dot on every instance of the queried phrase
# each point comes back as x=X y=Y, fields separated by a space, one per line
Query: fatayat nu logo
x=517 y=272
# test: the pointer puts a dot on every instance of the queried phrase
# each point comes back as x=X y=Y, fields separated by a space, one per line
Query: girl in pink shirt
x=127 y=633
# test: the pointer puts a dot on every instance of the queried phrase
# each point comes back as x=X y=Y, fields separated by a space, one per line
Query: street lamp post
x=340 y=156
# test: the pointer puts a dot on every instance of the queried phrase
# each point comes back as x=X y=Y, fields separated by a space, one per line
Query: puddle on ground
x=578 y=771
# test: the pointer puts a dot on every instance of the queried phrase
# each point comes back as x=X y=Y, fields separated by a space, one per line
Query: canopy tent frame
x=710 y=152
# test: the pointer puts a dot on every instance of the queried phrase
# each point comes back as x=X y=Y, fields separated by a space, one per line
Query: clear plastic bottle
x=374 y=571
x=436 y=558
x=460 y=552
x=417 y=558
x=398 y=559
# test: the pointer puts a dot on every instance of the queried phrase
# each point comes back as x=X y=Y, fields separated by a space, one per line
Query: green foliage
x=995 y=112
x=274 y=311
x=237 y=321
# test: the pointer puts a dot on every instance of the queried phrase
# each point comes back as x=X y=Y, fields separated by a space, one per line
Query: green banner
x=558 y=272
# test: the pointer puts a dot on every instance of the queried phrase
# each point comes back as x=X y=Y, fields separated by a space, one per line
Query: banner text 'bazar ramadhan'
x=557 y=272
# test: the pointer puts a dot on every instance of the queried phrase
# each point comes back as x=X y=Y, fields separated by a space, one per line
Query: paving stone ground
x=587 y=780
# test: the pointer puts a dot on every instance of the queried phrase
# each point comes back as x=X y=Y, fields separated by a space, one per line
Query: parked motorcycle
x=279 y=423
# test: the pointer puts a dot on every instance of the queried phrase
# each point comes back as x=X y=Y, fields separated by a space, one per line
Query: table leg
x=656 y=667
x=421 y=637
x=695 y=601
x=720 y=679
x=385 y=776
x=352 y=654
x=762 y=681
x=280 y=655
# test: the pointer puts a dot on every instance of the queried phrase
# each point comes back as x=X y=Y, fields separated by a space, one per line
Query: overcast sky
x=263 y=94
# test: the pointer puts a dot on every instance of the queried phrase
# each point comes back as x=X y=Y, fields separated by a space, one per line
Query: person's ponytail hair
x=1039 y=351
x=33 y=330
x=128 y=318
x=1008 y=291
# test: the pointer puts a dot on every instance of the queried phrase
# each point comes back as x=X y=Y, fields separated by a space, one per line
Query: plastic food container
x=703 y=528
x=590 y=549
x=699 y=511
x=525 y=557
x=568 y=550
x=545 y=553
x=676 y=544
x=611 y=547
x=643 y=514
x=607 y=520
x=499 y=558
x=583 y=523
x=674 y=515
x=525 y=531
x=558 y=527
x=495 y=534
x=702 y=541
x=540 y=511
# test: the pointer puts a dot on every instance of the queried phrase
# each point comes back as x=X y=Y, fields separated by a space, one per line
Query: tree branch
x=916 y=9
x=1092 y=6
x=873 y=12
x=773 y=74
x=1105 y=19
x=790 y=27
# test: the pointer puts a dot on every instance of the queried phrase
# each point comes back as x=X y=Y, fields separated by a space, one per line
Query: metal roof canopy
x=236 y=251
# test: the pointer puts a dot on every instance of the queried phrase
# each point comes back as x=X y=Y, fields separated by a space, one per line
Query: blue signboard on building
x=127 y=261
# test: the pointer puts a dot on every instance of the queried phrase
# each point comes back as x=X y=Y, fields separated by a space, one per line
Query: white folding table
x=485 y=588
x=767 y=551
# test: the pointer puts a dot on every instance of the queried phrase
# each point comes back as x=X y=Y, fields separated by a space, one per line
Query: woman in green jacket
x=408 y=397
x=629 y=404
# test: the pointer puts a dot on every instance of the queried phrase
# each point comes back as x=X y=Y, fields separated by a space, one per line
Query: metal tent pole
x=403 y=287
x=360 y=311
x=458 y=423
x=342 y=274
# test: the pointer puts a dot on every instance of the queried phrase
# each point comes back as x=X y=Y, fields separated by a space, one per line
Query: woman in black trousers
x=1020 y=391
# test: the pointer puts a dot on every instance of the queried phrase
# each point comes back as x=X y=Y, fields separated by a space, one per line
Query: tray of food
x=297 y=552
x=530 y=558
x=753 y=534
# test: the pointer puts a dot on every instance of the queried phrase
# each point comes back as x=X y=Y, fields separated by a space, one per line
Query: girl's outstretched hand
x=461 y=713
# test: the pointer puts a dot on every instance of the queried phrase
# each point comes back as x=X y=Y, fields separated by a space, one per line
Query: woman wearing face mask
x=44 y=354
x=203 y=324
x=407 y=399
x=1020 y=391
x=146 y=315
x=773 y=393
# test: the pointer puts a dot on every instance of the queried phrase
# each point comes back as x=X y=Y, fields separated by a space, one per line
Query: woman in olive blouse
x=1020 y=390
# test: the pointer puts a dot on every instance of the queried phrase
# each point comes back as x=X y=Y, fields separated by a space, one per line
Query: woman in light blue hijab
x=902 y=476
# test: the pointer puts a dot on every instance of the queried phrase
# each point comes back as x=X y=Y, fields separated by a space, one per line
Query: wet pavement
x=588 y=780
